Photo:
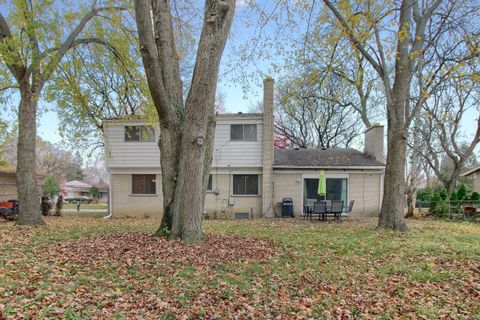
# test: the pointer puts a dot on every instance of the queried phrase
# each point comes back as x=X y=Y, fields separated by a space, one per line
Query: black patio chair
x=337 y=209
x=308 y=207
x=320 y=208
x=350 y=206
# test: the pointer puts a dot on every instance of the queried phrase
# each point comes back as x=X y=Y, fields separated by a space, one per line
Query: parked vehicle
x=9 y=209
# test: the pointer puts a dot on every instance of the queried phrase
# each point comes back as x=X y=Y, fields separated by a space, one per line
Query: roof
x=239 y=115
x=9 y=168
x=77 y=184
x=233 y=116
x=101 y=186
x=469 y=172
x=321 y=158
x=12 y=169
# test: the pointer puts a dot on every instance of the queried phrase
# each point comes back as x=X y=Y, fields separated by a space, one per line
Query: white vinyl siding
x=124 y=154
x=235 y=153
x=226 y=154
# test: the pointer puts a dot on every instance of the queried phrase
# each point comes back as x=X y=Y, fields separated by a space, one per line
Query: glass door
x=337 y=189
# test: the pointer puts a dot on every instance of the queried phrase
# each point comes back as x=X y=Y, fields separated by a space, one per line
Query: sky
x=237 y=97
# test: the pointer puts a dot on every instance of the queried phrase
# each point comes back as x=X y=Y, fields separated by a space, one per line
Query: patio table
x=308 y=210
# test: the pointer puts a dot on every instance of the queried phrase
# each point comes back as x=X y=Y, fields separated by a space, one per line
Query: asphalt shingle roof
x=335 y=157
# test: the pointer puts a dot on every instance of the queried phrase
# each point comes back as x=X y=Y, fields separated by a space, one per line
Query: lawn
x=86 y=268
x=86 y=205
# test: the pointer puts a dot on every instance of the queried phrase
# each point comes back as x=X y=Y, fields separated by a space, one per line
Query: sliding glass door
x=337 y=189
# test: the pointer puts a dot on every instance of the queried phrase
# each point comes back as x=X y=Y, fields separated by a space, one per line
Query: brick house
x=249 y=177
x=8 y=183
x=474 y=175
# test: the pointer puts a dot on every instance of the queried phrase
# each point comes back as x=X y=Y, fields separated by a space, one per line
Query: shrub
x=461 y=192
x=441 y=210
x=475 y=196
x=425 y=194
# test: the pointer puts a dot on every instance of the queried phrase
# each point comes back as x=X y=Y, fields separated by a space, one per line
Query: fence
x=466 y=208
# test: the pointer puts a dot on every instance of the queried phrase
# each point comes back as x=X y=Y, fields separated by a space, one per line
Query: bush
x=425 y=194
x=475 y=196
x=440 y=210
x=461 y=192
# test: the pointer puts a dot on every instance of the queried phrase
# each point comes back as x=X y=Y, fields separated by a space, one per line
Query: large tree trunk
x=391 y=214
x=169 y=149
x=29 y=210
x=186 y=138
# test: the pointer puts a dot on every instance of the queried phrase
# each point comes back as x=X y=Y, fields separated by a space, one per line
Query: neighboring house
x=248 y=177
x=8 y=183
x=473 y=174
x=75 y=189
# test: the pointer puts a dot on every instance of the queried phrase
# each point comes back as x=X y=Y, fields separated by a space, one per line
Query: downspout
x=109 y=196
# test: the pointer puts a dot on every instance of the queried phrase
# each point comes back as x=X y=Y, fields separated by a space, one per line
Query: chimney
x=374 y=142
x=267 y=173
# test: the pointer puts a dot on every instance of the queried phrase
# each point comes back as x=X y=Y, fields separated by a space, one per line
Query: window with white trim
x=139 y=133
x=245 y=184
x=243 y=132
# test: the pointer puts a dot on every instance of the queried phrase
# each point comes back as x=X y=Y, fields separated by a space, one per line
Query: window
x=139 y=133
x=143 y=184
x=210 y=184
x=337 y=189
x=243 y=132
x=246 y=184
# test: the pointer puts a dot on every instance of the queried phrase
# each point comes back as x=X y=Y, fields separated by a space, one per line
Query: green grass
x=347 y=269
x=85 y=206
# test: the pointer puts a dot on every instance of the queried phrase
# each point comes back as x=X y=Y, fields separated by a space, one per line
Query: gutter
x=328 y=167
x=109 y=216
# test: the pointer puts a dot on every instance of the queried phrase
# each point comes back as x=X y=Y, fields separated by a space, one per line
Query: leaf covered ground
x=93 y=268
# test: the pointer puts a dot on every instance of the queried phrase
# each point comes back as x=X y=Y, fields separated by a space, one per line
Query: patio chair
x=350 y=206
x=337 y=209
x=308 y=207
x=320 y=208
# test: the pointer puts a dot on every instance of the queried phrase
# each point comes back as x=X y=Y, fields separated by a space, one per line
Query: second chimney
x=374 y=142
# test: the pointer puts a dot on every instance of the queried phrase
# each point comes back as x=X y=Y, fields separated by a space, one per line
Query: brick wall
x=8 y=187
x=476 y=182
x=288 y=185
x=268 y=185
x=216 y=202
x=365 y=189
x=125 y=204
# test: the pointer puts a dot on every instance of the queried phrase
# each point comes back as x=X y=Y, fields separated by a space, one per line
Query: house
x=474 y=175
x=75 y=189
x=8 y=183
x=248 y=177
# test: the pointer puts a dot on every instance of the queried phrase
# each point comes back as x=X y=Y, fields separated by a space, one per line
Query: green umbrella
x=322 y=184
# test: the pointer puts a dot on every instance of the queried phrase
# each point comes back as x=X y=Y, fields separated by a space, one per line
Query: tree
x=33 y=42
x=314 y=112
x=94 y=192
x=95 y=82
x=51 y=186
x=410 y=42
x=51 y=159
x=444 y=149
x=186 y=128
x=4 y=138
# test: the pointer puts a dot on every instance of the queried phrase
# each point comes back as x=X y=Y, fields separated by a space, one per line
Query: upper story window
x=243 y=132
x=140 y=133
